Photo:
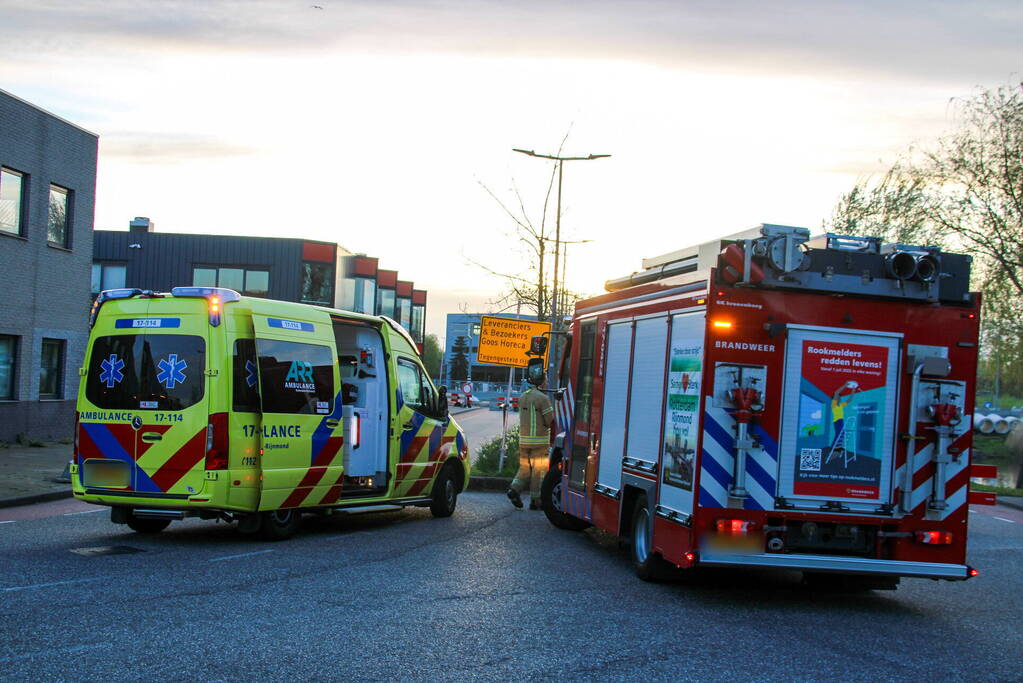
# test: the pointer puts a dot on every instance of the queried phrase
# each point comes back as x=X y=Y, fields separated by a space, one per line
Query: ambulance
x=776 y=401
x=204 y=403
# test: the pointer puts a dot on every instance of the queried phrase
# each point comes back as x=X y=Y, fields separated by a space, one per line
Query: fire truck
x=773 y=400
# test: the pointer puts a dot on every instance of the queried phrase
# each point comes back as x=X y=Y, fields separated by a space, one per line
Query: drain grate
x=107 y=550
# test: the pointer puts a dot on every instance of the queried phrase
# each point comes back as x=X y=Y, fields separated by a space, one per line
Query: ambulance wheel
x=278 y=525
x=147 y=526
x=648 y=564
x=550 y=499
x=445 y=493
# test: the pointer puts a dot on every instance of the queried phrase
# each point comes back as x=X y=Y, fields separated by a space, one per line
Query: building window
x=418 y=314
x=247 y=281
x=404 y=313
x=57 y=232
x=365 y=295
x=107 y=276
x=51 y=366
x=8 y=349
x=11 y=200
x=317 y=283
x=385 y=302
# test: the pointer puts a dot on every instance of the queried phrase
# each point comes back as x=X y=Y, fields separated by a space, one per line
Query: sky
x=380 y=124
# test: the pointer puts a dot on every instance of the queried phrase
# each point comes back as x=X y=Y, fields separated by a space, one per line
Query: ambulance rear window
x=146 y=371
x=296 y=378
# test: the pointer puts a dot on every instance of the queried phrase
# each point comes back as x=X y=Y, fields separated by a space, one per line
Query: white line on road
x=235 y=557
x=47 y=585
x=1010 y=521
x=8 y=521
x=84 y=512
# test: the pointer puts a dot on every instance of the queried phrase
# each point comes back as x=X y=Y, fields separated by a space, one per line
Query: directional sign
x=505 y=341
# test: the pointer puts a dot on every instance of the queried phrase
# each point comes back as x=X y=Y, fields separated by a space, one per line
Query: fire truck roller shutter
x=643 y=438
x=616 y=393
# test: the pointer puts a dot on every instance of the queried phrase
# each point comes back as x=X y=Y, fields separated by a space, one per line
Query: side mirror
x=442 y=402
x=538 y=346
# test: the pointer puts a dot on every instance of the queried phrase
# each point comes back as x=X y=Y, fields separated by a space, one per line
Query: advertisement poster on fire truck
x=839 y=446
x=685 y=366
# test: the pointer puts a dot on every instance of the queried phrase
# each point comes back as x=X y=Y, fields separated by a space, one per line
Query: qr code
x=810 y=459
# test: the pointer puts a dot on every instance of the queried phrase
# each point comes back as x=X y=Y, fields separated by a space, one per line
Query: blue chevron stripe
x=716 y=470
x=111 y=448
x=708 y=501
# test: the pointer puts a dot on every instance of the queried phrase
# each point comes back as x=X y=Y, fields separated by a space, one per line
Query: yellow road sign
x=505 y=341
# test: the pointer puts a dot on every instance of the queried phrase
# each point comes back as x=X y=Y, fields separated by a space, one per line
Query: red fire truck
x=776 y=401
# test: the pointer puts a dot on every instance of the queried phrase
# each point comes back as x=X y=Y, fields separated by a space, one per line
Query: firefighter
x=536 y=415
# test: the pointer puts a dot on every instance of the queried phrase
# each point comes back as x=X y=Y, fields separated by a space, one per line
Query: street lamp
x=557 y=237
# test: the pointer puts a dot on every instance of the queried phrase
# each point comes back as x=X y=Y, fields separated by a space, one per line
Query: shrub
x=490 y=455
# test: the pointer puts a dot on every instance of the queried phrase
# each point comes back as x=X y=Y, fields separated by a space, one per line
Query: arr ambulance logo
x=300 y=377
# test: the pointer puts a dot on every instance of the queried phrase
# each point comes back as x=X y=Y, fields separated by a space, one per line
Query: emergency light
x=107 y=295
x=215 y=296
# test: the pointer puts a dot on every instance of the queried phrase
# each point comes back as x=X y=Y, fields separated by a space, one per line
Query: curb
x=489 y=484
x=1011 y=502
x=35 y=498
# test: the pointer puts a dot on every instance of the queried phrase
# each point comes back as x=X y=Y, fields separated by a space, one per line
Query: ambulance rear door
x=300 y=435
x=840 y=397
x=147 y=368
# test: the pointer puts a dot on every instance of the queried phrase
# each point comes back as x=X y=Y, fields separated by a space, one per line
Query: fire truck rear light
x=690 y=557
x=734 y=527
x=934 y=537
x=722 y=324
x=971 y=572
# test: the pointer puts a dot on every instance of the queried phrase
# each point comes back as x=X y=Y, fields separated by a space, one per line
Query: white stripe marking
x=47 y=585
x=9 y=521
x=84 y=512
x=235 y=557
x=1010 y=521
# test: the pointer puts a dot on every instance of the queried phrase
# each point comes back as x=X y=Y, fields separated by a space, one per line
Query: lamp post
x=557 y=238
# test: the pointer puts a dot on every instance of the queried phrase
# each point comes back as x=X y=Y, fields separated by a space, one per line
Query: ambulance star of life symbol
x=171 y=371
x=111 y=374
x=250 y=376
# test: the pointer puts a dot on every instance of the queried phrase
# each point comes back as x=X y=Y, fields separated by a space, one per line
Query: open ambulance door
x=301 y=430
x=837 y=443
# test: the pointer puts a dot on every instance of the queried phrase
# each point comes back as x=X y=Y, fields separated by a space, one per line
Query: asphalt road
x=491 y=593
x=482 y=425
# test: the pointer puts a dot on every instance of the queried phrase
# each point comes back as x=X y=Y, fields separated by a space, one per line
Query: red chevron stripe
x=960 y=480
x=142 y=446
x=329 y=450
x=86 y=447
x=187 y=457
x=334 y=494
x=414 y=448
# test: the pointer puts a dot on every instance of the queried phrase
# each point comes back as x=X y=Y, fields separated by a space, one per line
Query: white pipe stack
x=985 y=424
x=1002 y=425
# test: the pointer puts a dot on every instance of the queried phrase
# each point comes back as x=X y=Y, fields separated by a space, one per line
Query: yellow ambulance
x=204 y=403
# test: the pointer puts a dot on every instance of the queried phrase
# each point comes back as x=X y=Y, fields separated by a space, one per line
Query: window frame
x=58 y=370
x=245 y=269
x=103 y=266
x=22 y=200
x=328 y=282
x=65 y=241
x=428 y=394
x=13 y=395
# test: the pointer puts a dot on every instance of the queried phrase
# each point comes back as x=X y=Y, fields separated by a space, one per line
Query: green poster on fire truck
x=681 y=414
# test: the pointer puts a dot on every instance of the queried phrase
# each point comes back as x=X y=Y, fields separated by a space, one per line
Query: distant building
x=462 y=339
x=47 y=198
x=287 y=269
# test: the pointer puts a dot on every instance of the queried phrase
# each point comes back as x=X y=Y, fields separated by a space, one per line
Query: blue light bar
x=107 y=295
x=208 y=293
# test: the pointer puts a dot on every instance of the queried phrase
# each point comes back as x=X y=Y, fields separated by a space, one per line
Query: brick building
x=47 y=197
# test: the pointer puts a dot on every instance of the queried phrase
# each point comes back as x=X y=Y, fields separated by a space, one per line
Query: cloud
x=167 y=148
x=938 y=40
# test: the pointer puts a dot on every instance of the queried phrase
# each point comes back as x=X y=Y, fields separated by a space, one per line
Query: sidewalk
x=31 y=475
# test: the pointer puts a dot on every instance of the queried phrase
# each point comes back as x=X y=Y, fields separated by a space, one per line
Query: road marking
x=235 y=557
x=47 y=585
x=9 y=521
x=1010 y=521
x=84 y=512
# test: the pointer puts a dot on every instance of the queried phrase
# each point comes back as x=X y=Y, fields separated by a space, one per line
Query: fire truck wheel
x=278 y=525
x=445 y=493
x=649 y=565
x=550 y=498
x=147 y=526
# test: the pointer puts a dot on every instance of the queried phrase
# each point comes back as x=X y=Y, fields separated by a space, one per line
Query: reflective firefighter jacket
x=536 y=415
